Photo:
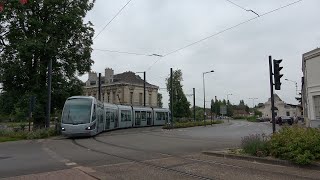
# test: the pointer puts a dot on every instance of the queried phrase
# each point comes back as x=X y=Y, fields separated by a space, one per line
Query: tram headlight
x=63 y=129
x=93 y=126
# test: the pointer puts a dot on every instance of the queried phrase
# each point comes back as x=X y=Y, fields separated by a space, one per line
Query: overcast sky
x=239 y=57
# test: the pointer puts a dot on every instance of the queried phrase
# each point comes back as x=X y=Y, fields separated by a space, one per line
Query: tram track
x=142 y=162
x=166 y=154
x=194 y=160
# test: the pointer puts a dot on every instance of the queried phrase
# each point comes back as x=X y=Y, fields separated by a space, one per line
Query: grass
x=6 y=135
x=190 y=124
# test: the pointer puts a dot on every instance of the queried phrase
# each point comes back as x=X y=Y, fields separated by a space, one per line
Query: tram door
x=149 y=118
x=116 y=119
x=108 y=119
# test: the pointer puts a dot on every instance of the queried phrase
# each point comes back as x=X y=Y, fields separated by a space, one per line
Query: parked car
x=284 y=119
x=262 y=119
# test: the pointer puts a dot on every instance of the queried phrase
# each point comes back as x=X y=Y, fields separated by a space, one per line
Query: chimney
x=109 y=75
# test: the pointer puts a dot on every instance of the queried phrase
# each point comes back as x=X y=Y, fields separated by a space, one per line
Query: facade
x=125 y=89
x=282 y=108
x=311 y=87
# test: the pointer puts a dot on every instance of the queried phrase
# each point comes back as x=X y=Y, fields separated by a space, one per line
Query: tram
x=86 y=116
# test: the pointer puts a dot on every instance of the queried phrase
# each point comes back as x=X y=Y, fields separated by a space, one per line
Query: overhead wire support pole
x=171 y=97
x=272 y=96
x=47 y=123
x=194 y=104
x=99 y=87
x=144 y=89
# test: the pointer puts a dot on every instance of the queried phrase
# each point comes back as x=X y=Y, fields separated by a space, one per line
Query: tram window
x=114 y=116
x=123 y=116
x=94 y=113
x=143 y=115
x=108 y=115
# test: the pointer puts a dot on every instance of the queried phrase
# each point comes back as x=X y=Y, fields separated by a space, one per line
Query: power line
x=121 y=52
x=112 y=19
x=232 y=27
x=249 y=10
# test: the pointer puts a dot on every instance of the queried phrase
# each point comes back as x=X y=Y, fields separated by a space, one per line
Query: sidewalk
x=74 y=173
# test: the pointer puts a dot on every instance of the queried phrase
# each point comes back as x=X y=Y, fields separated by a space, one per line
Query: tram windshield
x=77 y=111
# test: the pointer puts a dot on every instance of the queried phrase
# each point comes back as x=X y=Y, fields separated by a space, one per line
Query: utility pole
x=171 y=97
x=144 y=89
x=99 y=87
x=272 y=96
x=47 y=124
x=194 y=104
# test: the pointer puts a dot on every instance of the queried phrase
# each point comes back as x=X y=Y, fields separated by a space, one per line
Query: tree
x=180 y=102
x=39 y=31
x=159 y=99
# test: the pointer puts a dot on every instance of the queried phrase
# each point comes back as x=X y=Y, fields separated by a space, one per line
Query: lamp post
x=204 y=96
x=228 y=105
x=296 y=84
x=144 y=87
x=253 y=101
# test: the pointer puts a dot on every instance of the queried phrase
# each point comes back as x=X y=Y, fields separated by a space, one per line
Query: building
x=311 y=87
x=281 y=108
x=125 y=88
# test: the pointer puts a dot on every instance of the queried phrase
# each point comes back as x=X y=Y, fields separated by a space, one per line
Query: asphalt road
x=143 y=153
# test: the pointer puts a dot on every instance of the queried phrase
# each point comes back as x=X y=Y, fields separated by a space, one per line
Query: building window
x=150 y=100
x=131 y=98
x=92 y=83
x=108 y=98
x=114 y=97
x=288 y=113
x=102 y=97
x=140 y=98
x=316 y=101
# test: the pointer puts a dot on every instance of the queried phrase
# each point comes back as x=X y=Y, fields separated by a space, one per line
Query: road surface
x=142 y=153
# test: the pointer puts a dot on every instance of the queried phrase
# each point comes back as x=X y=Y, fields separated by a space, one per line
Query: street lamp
x=144 y=87
x=228 y=97
x=296 y=84
x=253 y=101
x=204 y=96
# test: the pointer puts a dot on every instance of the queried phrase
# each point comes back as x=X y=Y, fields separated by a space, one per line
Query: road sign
x=223 y=110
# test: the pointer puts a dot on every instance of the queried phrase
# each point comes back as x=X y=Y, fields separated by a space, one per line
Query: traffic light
x=277 y=75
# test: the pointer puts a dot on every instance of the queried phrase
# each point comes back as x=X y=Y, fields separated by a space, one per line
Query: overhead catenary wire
x=121 y=52
x=112 y=19
x=249 y=10
x=225 y=30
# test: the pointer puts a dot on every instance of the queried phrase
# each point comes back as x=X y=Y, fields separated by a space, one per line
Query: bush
x=6 y=135
x=189 y=124
x=239 y=117
x=252 y=119
x=297 y=144
x=256 y=145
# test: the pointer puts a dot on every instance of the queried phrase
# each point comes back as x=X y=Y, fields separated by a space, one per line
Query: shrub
x=19 y=135
x=297 y=144
x=239 y=117
x=189 y=124
x=256 y=145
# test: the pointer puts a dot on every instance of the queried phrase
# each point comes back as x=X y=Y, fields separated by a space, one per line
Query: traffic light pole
x=272 y=96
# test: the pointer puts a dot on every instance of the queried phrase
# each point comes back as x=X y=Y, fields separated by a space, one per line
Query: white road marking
x=71 y=164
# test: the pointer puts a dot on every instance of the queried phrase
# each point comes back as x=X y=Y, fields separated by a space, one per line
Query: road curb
x=223 y=154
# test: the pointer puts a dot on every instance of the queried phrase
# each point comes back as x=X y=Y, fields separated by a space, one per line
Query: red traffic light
x=23 y=1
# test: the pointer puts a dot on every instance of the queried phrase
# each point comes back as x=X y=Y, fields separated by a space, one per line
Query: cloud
x=239 y=56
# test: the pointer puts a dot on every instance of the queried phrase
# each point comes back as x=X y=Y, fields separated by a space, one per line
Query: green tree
x=159 y=99
x=180 y=102
x=30 y=36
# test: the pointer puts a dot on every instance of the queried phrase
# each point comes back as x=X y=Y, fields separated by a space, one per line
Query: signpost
x=223 y=110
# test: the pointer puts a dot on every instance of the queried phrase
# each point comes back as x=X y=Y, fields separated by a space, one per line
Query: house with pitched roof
x=125 y=88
